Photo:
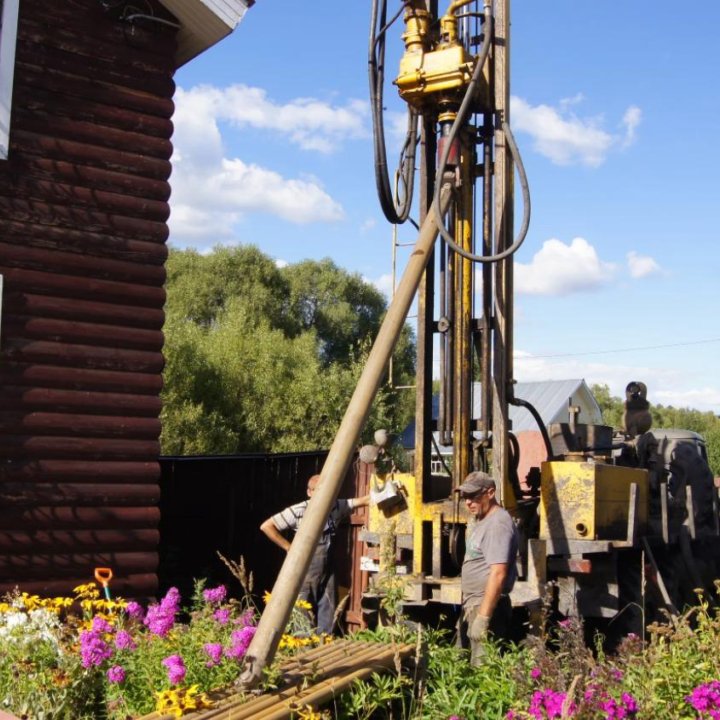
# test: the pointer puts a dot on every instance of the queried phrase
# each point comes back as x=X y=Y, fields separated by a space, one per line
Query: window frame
x=9 y=10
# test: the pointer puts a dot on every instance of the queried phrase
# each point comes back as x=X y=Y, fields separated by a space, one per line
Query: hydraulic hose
x=396 y=210
x=541 y=426
x=457 y=124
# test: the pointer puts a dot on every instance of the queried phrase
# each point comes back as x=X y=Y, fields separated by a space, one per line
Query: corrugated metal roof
x=549 y=397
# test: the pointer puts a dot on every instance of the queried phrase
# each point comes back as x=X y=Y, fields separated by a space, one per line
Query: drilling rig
x=593 y=511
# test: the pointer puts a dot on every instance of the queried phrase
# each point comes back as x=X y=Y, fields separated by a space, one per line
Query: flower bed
x=85 y=657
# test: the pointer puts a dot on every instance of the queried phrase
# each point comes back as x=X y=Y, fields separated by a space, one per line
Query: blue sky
x=615 y=110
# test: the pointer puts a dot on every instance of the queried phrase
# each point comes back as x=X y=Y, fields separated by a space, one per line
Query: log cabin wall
x=83 y=226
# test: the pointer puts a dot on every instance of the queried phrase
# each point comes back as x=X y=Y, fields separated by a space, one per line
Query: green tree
x=612 y=408
x=255 y=362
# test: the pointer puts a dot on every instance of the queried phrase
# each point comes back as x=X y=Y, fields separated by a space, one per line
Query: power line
x=631 y=349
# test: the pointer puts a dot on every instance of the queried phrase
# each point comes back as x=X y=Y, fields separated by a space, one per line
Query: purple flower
x=93 y=649
x=175 y=668
x=215 y=595
x=549 y=704
x=116 y=674
x=135 y=610
x=214 y=651
x=161 y=617
x=239 y=642
x=535 y=673
x=124 y=641
x=706 y=698
x=222 y=615
x=247 y=618
x=100 y=625
x=616 y=674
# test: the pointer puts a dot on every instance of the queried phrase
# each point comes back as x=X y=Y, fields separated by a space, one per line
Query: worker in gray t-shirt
x=489 y=570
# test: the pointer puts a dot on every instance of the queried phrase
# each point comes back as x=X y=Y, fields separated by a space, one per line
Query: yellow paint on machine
x=590 y=501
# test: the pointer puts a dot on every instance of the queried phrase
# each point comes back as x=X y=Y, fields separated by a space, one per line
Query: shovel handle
x=104 y=576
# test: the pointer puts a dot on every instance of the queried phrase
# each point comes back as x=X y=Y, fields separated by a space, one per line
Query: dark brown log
x=135 y=49
x=80 y=242
x=77 y=425
x=30 y=447
x=51 y=471
x=94 y=89
x=83 y=356
x=56 y=126
x=94 y=178
x=69 y=564
x=71 y=518
x=37 y=55
x=79 y=378
x=52 y=102
x=77 y=494
x=32 y=258
x=96 y=403
x=78 y=541
x=135 y=585
x=86 y=153
x=67 y=216
x=49 y=283
x=64 y=331
x=88 y=310
x=54 y=192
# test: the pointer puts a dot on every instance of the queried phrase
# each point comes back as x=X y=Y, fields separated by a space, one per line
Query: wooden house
x=86 y=106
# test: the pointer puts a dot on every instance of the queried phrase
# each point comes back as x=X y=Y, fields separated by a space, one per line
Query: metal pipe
x=285 y=591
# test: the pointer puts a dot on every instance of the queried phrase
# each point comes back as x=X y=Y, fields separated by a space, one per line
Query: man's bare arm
x=493 y=589
x=270 y=529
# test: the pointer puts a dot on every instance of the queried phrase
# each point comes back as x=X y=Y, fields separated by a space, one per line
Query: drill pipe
x=289 y=580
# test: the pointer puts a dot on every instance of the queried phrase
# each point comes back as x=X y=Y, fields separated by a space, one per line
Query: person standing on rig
x=318 y=587
x=489 y=568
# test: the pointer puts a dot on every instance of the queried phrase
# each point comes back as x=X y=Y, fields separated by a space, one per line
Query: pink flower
x=215 y=595
x=135 y=610
x=124 y=641
x=175 y=668
x=222 y=615
x=214 y=651
x=240 y=641
x=116 y=674
x=535 y=673
x=101 y=625
x=93 y=649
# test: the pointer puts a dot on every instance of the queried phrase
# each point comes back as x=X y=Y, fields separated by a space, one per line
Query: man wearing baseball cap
x=489 y=568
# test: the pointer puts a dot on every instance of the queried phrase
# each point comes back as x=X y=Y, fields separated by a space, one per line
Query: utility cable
x=630 y=349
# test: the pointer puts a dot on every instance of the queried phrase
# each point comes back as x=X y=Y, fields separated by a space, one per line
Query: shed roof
x=204 y=23
x=548 y=397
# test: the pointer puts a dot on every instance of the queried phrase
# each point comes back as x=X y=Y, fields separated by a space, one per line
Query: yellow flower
x=308 y=712
x=177 y=700
x=266 y=597
x=303 y=604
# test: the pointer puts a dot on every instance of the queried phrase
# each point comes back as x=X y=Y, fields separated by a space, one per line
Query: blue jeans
x=318 y=589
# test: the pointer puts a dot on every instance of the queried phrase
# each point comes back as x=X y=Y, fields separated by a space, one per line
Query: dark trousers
x=499 y=622
x=318 y=589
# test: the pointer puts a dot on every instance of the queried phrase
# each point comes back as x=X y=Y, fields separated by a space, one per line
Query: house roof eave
x=203 y=23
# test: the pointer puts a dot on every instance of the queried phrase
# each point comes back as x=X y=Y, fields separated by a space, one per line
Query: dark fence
x=216 y=504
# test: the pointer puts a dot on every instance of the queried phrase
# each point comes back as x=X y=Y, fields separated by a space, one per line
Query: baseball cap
x=475 y=482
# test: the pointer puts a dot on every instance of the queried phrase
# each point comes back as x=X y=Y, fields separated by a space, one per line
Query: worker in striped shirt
x=318 y=588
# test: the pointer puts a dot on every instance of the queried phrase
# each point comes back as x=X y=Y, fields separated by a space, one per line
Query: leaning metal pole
x=289 y=581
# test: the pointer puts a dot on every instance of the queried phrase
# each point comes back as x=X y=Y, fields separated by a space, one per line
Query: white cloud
x=212 y=193
x=567 y=139
x=631 y=120
x=281 y=263
x=312 y=124
x=560 y=269
x=641 y=266
x=384 y=284
x=368 y=224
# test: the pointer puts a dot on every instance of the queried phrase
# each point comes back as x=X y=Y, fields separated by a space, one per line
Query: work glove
x=478 y=628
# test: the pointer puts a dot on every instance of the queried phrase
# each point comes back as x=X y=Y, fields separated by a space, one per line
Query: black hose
x=536 y=415
x=449 y=140
x=396 y=210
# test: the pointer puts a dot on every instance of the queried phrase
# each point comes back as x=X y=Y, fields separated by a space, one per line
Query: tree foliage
x=265 y=359
x=706 y=424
